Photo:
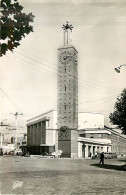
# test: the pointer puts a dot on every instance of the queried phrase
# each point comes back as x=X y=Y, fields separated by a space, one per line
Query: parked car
x=27 y=154
x=106 y=155
x=96 y=155
x=53 y=154
x=45 y=154
x=110 y=155
x=18 y=152
x=114 y=155
x=11 y=153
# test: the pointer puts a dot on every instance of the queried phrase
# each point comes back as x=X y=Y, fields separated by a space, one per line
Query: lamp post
x=118 y=71
x=118 y=68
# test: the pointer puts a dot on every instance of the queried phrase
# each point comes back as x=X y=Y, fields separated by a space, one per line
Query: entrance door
x=93 y=150
x=83 y=150
x=89 y=151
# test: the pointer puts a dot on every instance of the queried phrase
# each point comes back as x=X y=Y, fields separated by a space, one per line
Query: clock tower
x=67 y=105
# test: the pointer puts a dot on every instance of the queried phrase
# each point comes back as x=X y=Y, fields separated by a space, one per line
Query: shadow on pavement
x=108 y=166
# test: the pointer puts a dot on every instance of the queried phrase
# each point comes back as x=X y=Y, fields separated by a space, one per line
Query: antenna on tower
x=67 y=30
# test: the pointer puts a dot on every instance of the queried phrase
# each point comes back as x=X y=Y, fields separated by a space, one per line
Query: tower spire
x=67 y=30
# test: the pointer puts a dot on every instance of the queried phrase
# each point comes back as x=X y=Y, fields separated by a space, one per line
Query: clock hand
x=65 y=57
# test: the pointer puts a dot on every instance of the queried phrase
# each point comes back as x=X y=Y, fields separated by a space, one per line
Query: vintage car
x=110 y=155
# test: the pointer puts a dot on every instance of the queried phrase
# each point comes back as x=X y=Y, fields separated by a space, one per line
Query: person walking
x=96 y=155
x=102 y=158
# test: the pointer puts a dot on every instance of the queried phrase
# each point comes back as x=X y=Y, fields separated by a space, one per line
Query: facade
x=41 y=133
x=91 y=131
x=100 y=140
x=118 y=142
x=93 y=136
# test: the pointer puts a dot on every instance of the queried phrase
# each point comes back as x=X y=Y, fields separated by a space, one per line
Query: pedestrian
x=96 y=154
x=6 y=153
x=102 y=158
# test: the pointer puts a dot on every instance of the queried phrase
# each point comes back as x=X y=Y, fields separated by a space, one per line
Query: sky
x=29 y=75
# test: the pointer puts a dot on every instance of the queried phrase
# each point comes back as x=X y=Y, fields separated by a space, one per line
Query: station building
x=93 y=136
x=75 y=134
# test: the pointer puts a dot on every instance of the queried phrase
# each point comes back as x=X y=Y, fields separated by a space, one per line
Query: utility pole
x=16 y=115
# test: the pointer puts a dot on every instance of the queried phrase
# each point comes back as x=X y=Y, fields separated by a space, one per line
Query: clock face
x=64 y=133
x=65 y=57
x=75 y=58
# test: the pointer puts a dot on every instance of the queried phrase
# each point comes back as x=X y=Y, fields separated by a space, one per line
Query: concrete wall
x=74 y=144
x=90 y=120
x=65 y=147
x=118 y=144
x=50 y=140
x=98 y=135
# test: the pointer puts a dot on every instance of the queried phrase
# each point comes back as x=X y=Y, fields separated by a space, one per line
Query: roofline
x=66 y=47
x=91 y=112
x=89 y=140
x=86 y=129
x=37 y=121
x=110 y=129
x=56 y=111
x=40 y=115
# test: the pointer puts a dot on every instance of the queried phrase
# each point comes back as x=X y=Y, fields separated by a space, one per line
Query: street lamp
x=118 y=68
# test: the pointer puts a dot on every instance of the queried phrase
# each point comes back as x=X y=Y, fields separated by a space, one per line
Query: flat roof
x=37 y=121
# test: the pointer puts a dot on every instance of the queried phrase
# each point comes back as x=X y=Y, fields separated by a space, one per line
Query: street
x=37 y=175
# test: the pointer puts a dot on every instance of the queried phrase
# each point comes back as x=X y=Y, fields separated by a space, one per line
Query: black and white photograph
x=63 y=97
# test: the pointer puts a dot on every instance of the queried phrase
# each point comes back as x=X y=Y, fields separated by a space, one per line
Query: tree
x=118 y=117
x=14 y=25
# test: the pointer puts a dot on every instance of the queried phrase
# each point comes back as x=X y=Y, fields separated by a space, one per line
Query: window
x=65 y=106
x=65 y=87
x=99 y=135
x=82 y=135
x=91 y=136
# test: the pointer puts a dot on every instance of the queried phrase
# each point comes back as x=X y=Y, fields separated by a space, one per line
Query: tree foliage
x=14 y=25
x=118 y=117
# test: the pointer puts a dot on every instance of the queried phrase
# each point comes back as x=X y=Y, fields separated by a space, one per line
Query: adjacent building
x=41 y=133
x=93 y=136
